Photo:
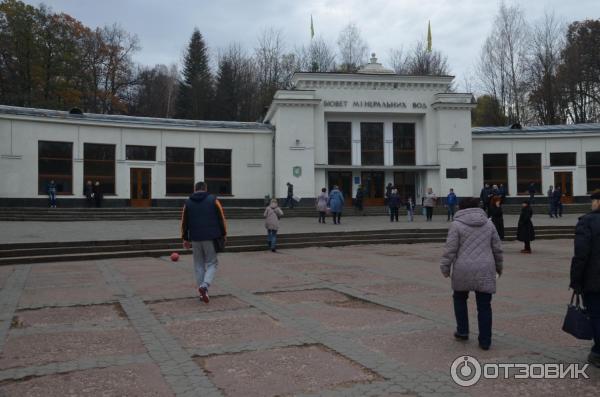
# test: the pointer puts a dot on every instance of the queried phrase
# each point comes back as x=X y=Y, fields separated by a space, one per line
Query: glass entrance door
x=343 y=180
x=141 y=187
x=373 y=184
x=405 y=182
x=564 y=180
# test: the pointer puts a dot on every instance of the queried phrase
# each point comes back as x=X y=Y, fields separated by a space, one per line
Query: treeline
x=51 y=60
x=545 y=72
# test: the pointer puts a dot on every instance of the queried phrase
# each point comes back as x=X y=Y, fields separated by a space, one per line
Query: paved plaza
x=372 y=320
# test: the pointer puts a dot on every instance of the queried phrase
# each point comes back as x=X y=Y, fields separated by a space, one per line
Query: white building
x=369 y=128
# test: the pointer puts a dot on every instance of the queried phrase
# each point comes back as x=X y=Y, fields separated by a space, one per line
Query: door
x=564 y=180
x=343 y=180
x=405 y=183
x=141 y=187
x=373 y=184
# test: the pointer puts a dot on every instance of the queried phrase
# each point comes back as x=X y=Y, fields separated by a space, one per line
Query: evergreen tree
x=195 y=90
x=226 y=96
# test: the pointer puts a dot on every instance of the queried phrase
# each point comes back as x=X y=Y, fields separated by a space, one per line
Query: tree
x=422 y=62
x=317 y=57
x=398 y=61
x=268 y=56
x=488 y=112
x=352 y=48
x=155 y=92
x=196 y=88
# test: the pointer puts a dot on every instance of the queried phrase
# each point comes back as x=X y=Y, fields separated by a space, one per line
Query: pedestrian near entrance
x=451 y=202
x=550 y=195
x=51 y=190
x=503 y=192
x=88 y=192
x=336 y=204
x=484 y=197
x=497 y=216
x=472 y=257
x=429 y=203
x=410 y=209
x=525 y=230
x=394 y=204
x=557 y=202
x=531 y=190
x=321 y=204
x=203 y=225
x=585 y=270
x=98 y=194
x=358 y=200
x=289 y=201
x=272 y=215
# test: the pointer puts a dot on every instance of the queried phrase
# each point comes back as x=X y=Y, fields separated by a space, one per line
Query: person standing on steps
x=98 y=194
x=202 y=225
x=410 y=209
x=429 y=203
x=359 y=199
x=525 y=230
x=272 y=215
x=451 y=203
x=51 y=190
x=484 y=197
x=472 y=257
x=557 y=202
x=497 y=216
x=503 y=192
x=289 y=201
x=394 y=204
x=550 y=195
x=88 y=192
x=322 y=205
x=531 y=190
x=336 y=204
x=585 y=270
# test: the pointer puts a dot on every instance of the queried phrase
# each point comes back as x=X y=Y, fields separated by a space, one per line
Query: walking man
x=585 y=270
x=51 y=189
x=289 y=201
x=550 y=194
x=202 y=223
x=451 y=202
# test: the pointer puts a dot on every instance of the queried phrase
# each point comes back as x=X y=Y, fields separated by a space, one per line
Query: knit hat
x=595 y=195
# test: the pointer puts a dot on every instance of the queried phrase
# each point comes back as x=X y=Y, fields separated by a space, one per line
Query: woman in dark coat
x=525 y=231
x=497 y=215
x=98 y=194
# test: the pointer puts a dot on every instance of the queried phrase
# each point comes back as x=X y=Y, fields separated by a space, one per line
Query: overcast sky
x=459 y=27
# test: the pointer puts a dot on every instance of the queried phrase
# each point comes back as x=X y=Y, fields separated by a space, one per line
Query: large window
x=371 y=141
x=55 y=163
x=592 y=165
x=180 y=171
x=495 y=169
x=143 y=153
x=529 y=169
x=217 y=171
x=339 y=143
x=99 y=165
x=563 y=159
x=404 y=144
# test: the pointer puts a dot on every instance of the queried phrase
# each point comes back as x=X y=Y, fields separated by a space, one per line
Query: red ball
x=174 y=256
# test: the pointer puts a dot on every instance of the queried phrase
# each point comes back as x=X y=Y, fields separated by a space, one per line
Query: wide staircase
x=22 y=253
x=128 y=213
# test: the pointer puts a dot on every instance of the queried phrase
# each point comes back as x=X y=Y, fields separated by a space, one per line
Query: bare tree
x=317 y=57
x=398 y=60
x=268 y=56
x=422 y=62
x=353 y=49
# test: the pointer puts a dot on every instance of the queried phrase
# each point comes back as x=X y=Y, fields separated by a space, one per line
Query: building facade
x=370 y=128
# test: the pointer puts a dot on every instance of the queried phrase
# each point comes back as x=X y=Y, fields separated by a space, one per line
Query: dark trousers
x=289 y=201
x=322 y=216
x=272 y=238
x=429 y=212
x=52 y=198
x=531 y=198
x=337 y=217
x=451 y=211
x=484 y=315
x=527 y=245
x=393 y=214
x=592 y=304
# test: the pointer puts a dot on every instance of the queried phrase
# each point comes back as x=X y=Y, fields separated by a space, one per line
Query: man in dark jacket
x=531 y=190
x=585 y=269
x=203 y=222
x=484 y=197
x=289 y=201
x=556 y=202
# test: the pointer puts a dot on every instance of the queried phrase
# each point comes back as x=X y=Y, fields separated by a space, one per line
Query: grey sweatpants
x=205 y=262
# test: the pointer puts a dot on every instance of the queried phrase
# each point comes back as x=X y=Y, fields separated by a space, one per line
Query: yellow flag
x=429 y=36
x=312 y=28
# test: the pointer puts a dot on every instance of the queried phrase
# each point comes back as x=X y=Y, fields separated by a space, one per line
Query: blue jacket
x=451 y=199
x=202 y=218
x=336 y=201
x=394 y=200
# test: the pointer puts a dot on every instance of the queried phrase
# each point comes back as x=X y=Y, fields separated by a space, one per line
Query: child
x=410 y=209
x=272 y=215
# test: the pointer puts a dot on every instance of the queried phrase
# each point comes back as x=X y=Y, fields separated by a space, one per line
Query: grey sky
x=459 y=27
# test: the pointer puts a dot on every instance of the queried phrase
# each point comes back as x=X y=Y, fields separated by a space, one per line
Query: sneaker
x=594 y=359
x=461 y=336
x=204 y=294
x=484 y=347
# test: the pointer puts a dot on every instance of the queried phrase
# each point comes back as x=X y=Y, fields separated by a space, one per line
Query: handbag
x=577 y=322
x=219 y=244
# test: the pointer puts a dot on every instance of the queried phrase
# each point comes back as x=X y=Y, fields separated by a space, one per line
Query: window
x=180 y=171
x=529 y=169
x=371 y=141
x=143 y=153
x=55 y=163
x=99 y=165
x=563 y=159
x=495 y=169
x=592 y=165
x=404 y=144
x=339 y=143
x=456 y=173
x=217 y=170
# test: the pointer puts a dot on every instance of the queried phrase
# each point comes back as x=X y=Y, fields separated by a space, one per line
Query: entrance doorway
x=564 y=180
x=405 y=182
x=374 y=187
x=141 y=187
x=343 y=180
